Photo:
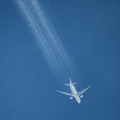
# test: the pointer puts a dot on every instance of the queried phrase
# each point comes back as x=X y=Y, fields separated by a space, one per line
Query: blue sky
x=89 y=32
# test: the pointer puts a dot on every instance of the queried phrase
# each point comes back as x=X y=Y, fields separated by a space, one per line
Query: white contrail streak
x=46 y=37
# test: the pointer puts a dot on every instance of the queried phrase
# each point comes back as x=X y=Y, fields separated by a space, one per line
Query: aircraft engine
x=71 y=98
x=81 y=96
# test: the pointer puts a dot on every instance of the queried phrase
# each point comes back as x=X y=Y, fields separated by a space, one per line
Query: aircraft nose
x=79 y=101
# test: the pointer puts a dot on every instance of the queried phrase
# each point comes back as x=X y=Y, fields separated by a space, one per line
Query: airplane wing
x=70 y=94
x=81 y=92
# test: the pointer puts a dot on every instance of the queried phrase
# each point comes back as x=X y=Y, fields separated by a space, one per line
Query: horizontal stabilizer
x=73 y=83
x=67 y=84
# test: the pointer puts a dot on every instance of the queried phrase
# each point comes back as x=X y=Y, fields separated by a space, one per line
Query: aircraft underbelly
x=73 y=90
x=75 y=94
x=77 y=99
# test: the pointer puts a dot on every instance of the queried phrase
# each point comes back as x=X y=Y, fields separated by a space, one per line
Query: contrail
x=46 y=37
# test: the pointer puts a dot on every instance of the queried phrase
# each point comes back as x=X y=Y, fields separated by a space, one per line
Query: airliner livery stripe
x=70 y=81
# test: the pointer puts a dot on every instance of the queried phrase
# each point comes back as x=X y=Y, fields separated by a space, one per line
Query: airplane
x=76 y=95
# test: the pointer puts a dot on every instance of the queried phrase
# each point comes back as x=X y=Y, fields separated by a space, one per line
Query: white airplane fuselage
x=75 y=94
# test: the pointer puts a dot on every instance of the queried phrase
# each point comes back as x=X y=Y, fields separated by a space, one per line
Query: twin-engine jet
x=76 y=95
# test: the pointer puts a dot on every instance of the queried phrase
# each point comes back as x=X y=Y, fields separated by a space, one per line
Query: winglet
x=70 y=81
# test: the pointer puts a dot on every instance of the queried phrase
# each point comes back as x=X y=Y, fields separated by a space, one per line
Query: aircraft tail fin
x=70 y=83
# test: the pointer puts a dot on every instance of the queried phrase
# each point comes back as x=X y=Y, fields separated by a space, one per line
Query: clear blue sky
x=90 y=33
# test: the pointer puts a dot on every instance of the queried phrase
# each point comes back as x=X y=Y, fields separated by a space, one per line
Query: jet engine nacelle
x=81 y=96
x=71 y=98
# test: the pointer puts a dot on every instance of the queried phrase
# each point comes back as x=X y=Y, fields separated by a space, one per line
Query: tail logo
x=70 y=81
